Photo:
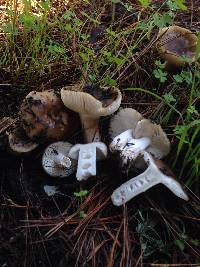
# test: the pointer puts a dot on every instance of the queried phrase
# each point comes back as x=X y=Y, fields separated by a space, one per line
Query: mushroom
x=155 y=173
x=174 y=43
x=19 y=143
x=142 y=135
x=87 y=154
x=44 y=117
x=125 y=119
x=50 y=190
x=91 y=105
x=56 y=160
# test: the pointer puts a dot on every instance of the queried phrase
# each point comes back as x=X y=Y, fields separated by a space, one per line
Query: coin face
x=56 y=162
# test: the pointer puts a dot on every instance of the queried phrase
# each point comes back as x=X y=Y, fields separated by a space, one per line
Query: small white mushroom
x=50 y=190
x=56 y=161
x=151 y=176
x=87 y=154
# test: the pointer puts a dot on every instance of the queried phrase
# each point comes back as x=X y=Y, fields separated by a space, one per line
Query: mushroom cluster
x=49 y=116
x=141 y=142
x=132 y=134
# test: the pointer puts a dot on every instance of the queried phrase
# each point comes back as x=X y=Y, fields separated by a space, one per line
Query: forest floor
x=48 y=45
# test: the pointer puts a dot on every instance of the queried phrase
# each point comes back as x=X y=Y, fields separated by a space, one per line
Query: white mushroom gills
x=149 y=178
x=62 y=160
x=56 y=161
x=87 y=154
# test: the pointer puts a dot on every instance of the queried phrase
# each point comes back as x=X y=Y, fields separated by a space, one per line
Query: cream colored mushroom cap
x=160 y=145
x=125 y=119
x=86 y=104
x=170 y=40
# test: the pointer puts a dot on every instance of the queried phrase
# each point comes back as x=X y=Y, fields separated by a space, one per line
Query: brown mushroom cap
x=85 y=103
x=44 y=117
x=175 y=42
x=125 y=119
x=19 y=143
x=160 y=145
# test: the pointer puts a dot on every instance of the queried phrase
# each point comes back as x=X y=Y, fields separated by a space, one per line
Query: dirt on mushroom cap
x=44 y=117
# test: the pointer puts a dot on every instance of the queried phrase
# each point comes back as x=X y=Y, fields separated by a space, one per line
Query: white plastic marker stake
x=151 y=176
x=87 y=155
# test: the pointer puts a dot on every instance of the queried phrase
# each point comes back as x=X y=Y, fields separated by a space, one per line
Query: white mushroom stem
x=130 y=147
x=140 y=143
x=87 y=154
x=121 y=140
x=133 y=148
x=91 y=128
x=150 y=177
x=62 y=160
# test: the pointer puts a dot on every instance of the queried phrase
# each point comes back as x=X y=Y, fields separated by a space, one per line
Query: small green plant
x=145 y=3
x=180 y=244
x=82 y=214
x=160 y=73
x=169 y=98
x=162 y=20
x=81 y=193
x=181 y=4
x=149 y=238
